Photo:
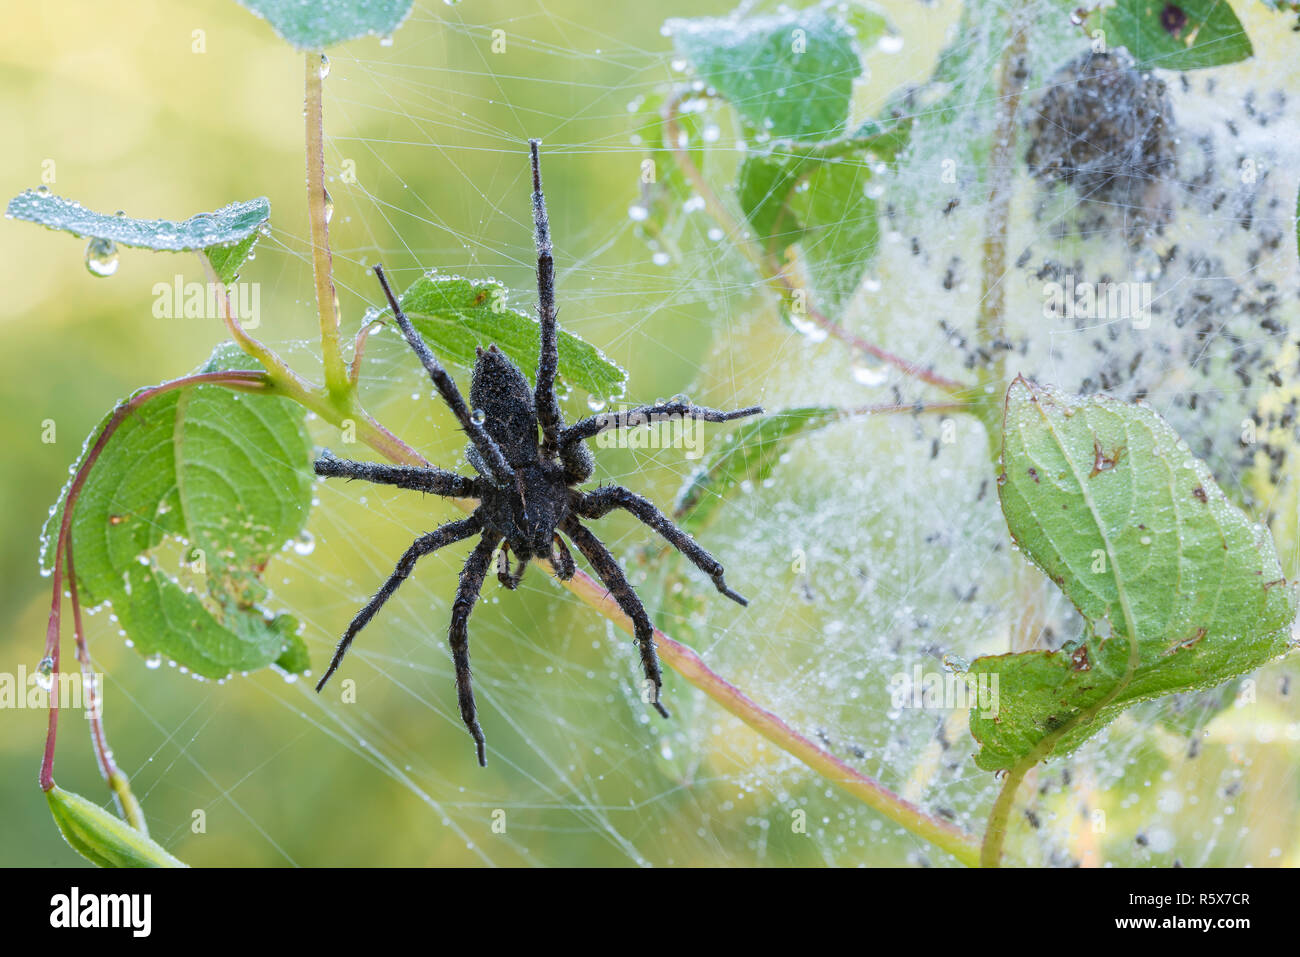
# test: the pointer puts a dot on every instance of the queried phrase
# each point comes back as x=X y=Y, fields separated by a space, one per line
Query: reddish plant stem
x=236 y=379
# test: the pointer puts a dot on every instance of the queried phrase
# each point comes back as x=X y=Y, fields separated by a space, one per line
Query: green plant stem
x=990 y=321
x=773 y=275
x=336 y=376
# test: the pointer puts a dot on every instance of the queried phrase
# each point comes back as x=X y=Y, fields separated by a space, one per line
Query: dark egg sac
x=1106 y=129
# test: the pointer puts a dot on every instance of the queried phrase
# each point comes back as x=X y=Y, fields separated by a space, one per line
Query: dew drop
x=101 y=257
x=479 y=416
x=596 y=403
x=329 y=206
x=869 y=371
x=637 y=213
x=324 y=66
x=304 y=544
x=45 y=673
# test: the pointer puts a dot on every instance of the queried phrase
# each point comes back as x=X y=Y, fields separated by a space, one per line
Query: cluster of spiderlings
x=1106 y=129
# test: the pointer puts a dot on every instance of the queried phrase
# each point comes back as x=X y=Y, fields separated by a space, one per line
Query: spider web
x=877 y=547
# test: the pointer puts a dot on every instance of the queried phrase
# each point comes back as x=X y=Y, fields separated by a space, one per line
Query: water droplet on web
x=479 y=416
x=45 y=673
x=304 y=544
x=329 y=206
x=386 y=40
x=660 y=259
x=324 y=66
x=869 y=371
x=889 y=44
x=638 y=214
x=808 y=329
x=596 y=403
x=101 y=257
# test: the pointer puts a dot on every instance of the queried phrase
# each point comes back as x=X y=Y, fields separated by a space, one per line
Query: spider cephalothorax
x=526 y=485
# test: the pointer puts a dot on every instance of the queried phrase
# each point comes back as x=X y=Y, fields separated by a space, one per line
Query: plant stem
x=336 y=376
x=990 y=321
x=771 y=272
x=243 y=380
x=687 y=663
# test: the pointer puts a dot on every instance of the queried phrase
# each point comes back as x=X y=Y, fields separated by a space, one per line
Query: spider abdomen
x=499 y=393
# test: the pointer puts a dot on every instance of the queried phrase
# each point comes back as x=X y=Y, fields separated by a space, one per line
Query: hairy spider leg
x=593 y=425
x=471 y=583
x=507 y=578
x=499 y=470
x=609 y=572
x=602 y=501
x=548 y=406
x=562 y=560
x=416 y=478
x=443 y=535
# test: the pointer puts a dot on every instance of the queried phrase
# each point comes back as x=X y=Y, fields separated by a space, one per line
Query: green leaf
x=316 y=24
x=226 y=236
x=103 y=838
x=789 y=74
x=816 y=195
x=840 y=228
x=1180 y=589
x=226 y=474
x=1186 y=35
x=456 y=316
x=749 y=454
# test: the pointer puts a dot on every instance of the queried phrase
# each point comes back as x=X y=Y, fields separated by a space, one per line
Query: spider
x=526 y=489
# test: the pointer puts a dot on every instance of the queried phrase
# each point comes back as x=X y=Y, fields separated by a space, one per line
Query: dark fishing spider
x=525 y=491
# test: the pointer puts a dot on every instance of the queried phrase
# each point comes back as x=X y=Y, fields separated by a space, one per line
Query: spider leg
x=498 y=469
x=548 y=407
x=443 y=535
x=593 y=425
x=604 y=500
x=416 y=478
x=471 y=583
x=504 y=576
x=607 y=568
x=562 y=560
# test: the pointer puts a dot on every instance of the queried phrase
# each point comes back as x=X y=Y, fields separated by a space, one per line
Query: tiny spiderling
x=526 y=489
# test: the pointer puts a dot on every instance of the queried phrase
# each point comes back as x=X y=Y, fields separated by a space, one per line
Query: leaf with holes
x=1180 y=589
x=226 y=476
x=316 y=24
x=457 y=316
x=1186 y=35
x=226 y=236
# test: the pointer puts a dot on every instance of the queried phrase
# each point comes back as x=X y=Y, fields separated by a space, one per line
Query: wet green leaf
x=1180 y=589
x=226 y=474
x=789 y=74
x=456 y=316
x=316 y=24
x=226 y=236
x=1186 y=35
x=101 y=837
